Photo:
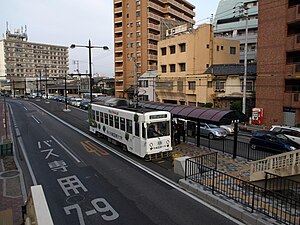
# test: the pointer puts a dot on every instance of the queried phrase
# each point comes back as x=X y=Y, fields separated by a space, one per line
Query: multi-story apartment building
x=137 y=29
x=278 y=61
x=184 y=58
x=230 y=22
x=22 y=63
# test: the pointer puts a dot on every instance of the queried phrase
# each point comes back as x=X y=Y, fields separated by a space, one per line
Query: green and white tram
x=144 y=132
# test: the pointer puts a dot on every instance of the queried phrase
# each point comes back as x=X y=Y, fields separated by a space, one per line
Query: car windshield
x=212 y=126
x=282 y=137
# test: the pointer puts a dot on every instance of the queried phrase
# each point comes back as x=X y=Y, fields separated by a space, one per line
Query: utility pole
x=135 y=80
x=46 y=88
x=245 y=59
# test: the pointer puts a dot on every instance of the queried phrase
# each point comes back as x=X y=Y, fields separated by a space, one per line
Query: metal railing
x=255 y=198
x=227 y=145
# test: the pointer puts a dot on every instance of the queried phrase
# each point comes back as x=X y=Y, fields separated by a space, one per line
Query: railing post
x=213 y=182
x=253 y=199
x=248 y=152
x=185 y=168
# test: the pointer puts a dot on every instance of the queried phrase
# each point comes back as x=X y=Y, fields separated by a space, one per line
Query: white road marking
x=91 y=212
x=71 y=183
x=25 y=108
x=70 y=153
x=36 y=120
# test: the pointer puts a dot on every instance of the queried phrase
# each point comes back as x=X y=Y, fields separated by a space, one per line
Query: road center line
x=70 y=153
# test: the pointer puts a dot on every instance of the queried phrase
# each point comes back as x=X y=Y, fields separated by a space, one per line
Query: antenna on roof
x=7 y=30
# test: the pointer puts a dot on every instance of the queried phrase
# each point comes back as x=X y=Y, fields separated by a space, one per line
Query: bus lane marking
x=92 y=148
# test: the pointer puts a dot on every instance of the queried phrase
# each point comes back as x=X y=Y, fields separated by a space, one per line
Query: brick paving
x=10 y=186
x=237 y=167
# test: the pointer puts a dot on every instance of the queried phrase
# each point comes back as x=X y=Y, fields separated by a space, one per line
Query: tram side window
x=101 y=117
x=117 y=123
x=111 y=120
x=106 y=118
x=143 y=132
x=137 y=129
x=122 y=123
x=129 y=126
x=97 y=116
x=93 y=114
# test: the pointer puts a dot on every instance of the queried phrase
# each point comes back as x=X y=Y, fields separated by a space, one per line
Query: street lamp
x=90 y=62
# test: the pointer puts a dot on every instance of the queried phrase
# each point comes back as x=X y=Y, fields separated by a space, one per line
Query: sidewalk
x=11 y=199
x=238 y=167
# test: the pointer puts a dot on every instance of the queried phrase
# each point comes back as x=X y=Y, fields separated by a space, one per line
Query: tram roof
x=210 y=115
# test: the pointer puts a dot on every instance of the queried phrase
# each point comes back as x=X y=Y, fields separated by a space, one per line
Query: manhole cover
x=10 y=173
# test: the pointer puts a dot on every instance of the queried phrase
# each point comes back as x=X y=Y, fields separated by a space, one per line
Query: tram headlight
x=167 y=142
x=151 y=146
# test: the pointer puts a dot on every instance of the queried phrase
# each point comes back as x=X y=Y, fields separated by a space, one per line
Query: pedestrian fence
x=226 y=145
x=265 y=199
x=6 y=149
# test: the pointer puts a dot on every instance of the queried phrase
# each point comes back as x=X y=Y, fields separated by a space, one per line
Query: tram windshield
x=158 y=129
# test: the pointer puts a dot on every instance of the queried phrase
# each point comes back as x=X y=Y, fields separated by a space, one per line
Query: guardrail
x=273 y=204
x=285 y=164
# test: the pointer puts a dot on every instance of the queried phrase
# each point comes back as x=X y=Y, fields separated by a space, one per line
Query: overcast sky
x=63 y=22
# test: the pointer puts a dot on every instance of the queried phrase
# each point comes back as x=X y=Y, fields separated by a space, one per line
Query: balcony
x=118 y=19
x=118 y=29
x=293 y=42
x=154 y=26
x=119 y=59
x=155 y=7
x=181 y=6
x=118 y=49
x=293 y=14
x=118 y=39
x=152 y=47
x=179 y=15
x=152 y=57
x=154 y=16
x=153 y=37
x=151 y=67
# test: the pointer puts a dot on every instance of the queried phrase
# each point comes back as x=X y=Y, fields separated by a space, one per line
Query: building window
x=207 y=46
x=182 y=47
x=138 y=24
x=220 y=85
x=127 y=15
x=127 y=5
x=249 y=86
x=222 y=47
x=163 y=68
x=138 y=2
x=209 y=84
x=181 y=67
x=232 y=50
x=172 y=68
x=138 y=44
x=138 y=14
x=163 y=51
x=172 y=49
x=218 y=48
x=138 y=34
x=192 y=85
x=179 y=85
x=143 y=83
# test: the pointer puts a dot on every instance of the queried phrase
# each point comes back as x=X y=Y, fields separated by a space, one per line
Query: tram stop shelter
x=196 y=115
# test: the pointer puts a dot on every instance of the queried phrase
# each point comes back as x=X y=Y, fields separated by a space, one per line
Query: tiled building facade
x=137 y=29
x=278 y=62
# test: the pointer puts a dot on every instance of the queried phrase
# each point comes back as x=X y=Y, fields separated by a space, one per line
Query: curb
x=228 y=206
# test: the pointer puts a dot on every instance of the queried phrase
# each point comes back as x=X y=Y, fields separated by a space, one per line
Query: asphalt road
x=88 y=182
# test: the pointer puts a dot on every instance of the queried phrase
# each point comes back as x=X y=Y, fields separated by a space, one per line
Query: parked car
x=84 y=104
x=212 y=131
x=272 y=141
x=291 y=132
x=229 y=128
x=76 y=102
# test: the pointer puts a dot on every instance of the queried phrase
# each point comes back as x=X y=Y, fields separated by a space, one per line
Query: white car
x=76 y=102
x=292 y=133
x=229 y=128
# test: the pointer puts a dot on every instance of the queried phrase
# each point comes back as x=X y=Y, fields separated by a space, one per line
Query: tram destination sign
x=160 y=116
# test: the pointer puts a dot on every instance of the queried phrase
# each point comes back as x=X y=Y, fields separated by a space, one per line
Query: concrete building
x=137 y=29
x=25 y=65
x=183 y=59
x=230 y=23
x=278 y=62
x=147 y=83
